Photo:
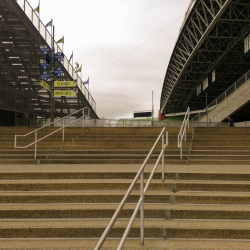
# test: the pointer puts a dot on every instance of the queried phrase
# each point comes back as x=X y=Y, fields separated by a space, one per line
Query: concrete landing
x=125 y=168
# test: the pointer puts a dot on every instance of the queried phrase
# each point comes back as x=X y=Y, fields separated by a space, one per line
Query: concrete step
x=208 y=161
x=107 y=161
x=105 y=210
x=131 y=243
x=155 y=228
x=215 y=147
x=219 y=152
x=95 y=184
x=81 y=210
x=221 y=143
x=102 y=175
x=88 y=196
x=212 y=197
x=90 y=152
x=220 y=157
x=56 y=185
x=122 y=174
x=111 y=156
x=89 y=156
x=208 y=229
x=78 y=228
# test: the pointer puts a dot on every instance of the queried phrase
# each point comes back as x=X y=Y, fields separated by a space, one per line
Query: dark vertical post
x=206 y=109
x=52 y=75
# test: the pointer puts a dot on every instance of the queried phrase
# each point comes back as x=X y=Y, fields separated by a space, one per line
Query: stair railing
x=183 y=131
x=48 y=125
x=143 y=190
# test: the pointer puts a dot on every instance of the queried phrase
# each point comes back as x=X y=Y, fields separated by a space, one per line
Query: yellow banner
x=64 y=93
x=60 y=84
x=45 y=85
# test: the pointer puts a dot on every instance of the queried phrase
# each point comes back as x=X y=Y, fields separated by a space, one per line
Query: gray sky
x=102 y=31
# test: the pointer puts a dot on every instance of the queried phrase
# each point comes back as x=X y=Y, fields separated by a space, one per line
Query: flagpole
x=39 y=10
x=51 y=25
x=88 y=86
x=72 y=62
x=63 y=45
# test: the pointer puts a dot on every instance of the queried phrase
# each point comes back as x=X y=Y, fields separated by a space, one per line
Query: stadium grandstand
x=21 y=35
x=211 y=54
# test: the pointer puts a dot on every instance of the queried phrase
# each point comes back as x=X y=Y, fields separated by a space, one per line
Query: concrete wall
x=231 y=104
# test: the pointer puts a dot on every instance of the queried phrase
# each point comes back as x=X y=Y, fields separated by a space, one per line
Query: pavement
x=125 y=168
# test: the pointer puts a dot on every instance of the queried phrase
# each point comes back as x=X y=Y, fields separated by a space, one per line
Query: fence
x=25 y=6
x=222 y=97
x=23 y=122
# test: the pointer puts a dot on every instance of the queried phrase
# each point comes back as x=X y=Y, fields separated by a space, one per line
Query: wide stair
x=220 y=146
x=70 y=210
x=91 y=146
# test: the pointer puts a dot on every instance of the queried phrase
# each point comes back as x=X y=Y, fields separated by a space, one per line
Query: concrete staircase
x=91 y=146
x=70 y=210
x=220 y=146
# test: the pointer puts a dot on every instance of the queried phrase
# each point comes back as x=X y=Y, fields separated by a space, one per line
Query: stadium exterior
x=21 y=34
x=209 y=54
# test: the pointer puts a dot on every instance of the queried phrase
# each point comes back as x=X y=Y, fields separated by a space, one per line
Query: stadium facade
x=21 y=35
x=210 y=54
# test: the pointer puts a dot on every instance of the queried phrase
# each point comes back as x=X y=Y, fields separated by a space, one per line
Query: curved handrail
x=183 y=131
x=63 y=126
x=143 y=191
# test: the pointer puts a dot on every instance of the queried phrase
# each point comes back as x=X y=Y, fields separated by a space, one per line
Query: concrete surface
x=228 y=106
x=125 y=168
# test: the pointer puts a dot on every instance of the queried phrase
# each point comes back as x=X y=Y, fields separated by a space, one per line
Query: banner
x=198 y=89
x=64 y=93
x=45 y=85
x=66 y=84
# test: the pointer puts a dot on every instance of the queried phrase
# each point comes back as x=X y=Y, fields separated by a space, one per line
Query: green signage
x=64 y=84
x=45 y=85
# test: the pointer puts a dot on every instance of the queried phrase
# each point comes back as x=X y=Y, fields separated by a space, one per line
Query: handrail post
x=15 y=142
x=185 y=132
x=63 y=130
x=142 y=207
x=163 y=160
x=83 y=122
x=35 y=143
x=181 y=151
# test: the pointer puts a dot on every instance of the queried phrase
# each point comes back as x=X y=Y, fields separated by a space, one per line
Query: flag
x=49 y=24
x=37 y=9
x=61 y=40
x=71 y=56
x=87 y=82
x=79 y=70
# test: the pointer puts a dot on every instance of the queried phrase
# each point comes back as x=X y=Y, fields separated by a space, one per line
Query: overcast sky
x=102 y=31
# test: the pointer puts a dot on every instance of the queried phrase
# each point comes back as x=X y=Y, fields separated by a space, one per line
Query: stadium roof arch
x=211 y=39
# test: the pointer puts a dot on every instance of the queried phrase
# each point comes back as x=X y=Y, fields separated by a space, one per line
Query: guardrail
x=183 y=131
x=140 y=204
x=31 y=14
x=105 y=123
x=222 y=97
x=63 y=127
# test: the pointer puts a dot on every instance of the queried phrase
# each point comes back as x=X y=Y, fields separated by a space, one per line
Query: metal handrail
x=140 y=204
x=183 y=131
x=63 y=126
